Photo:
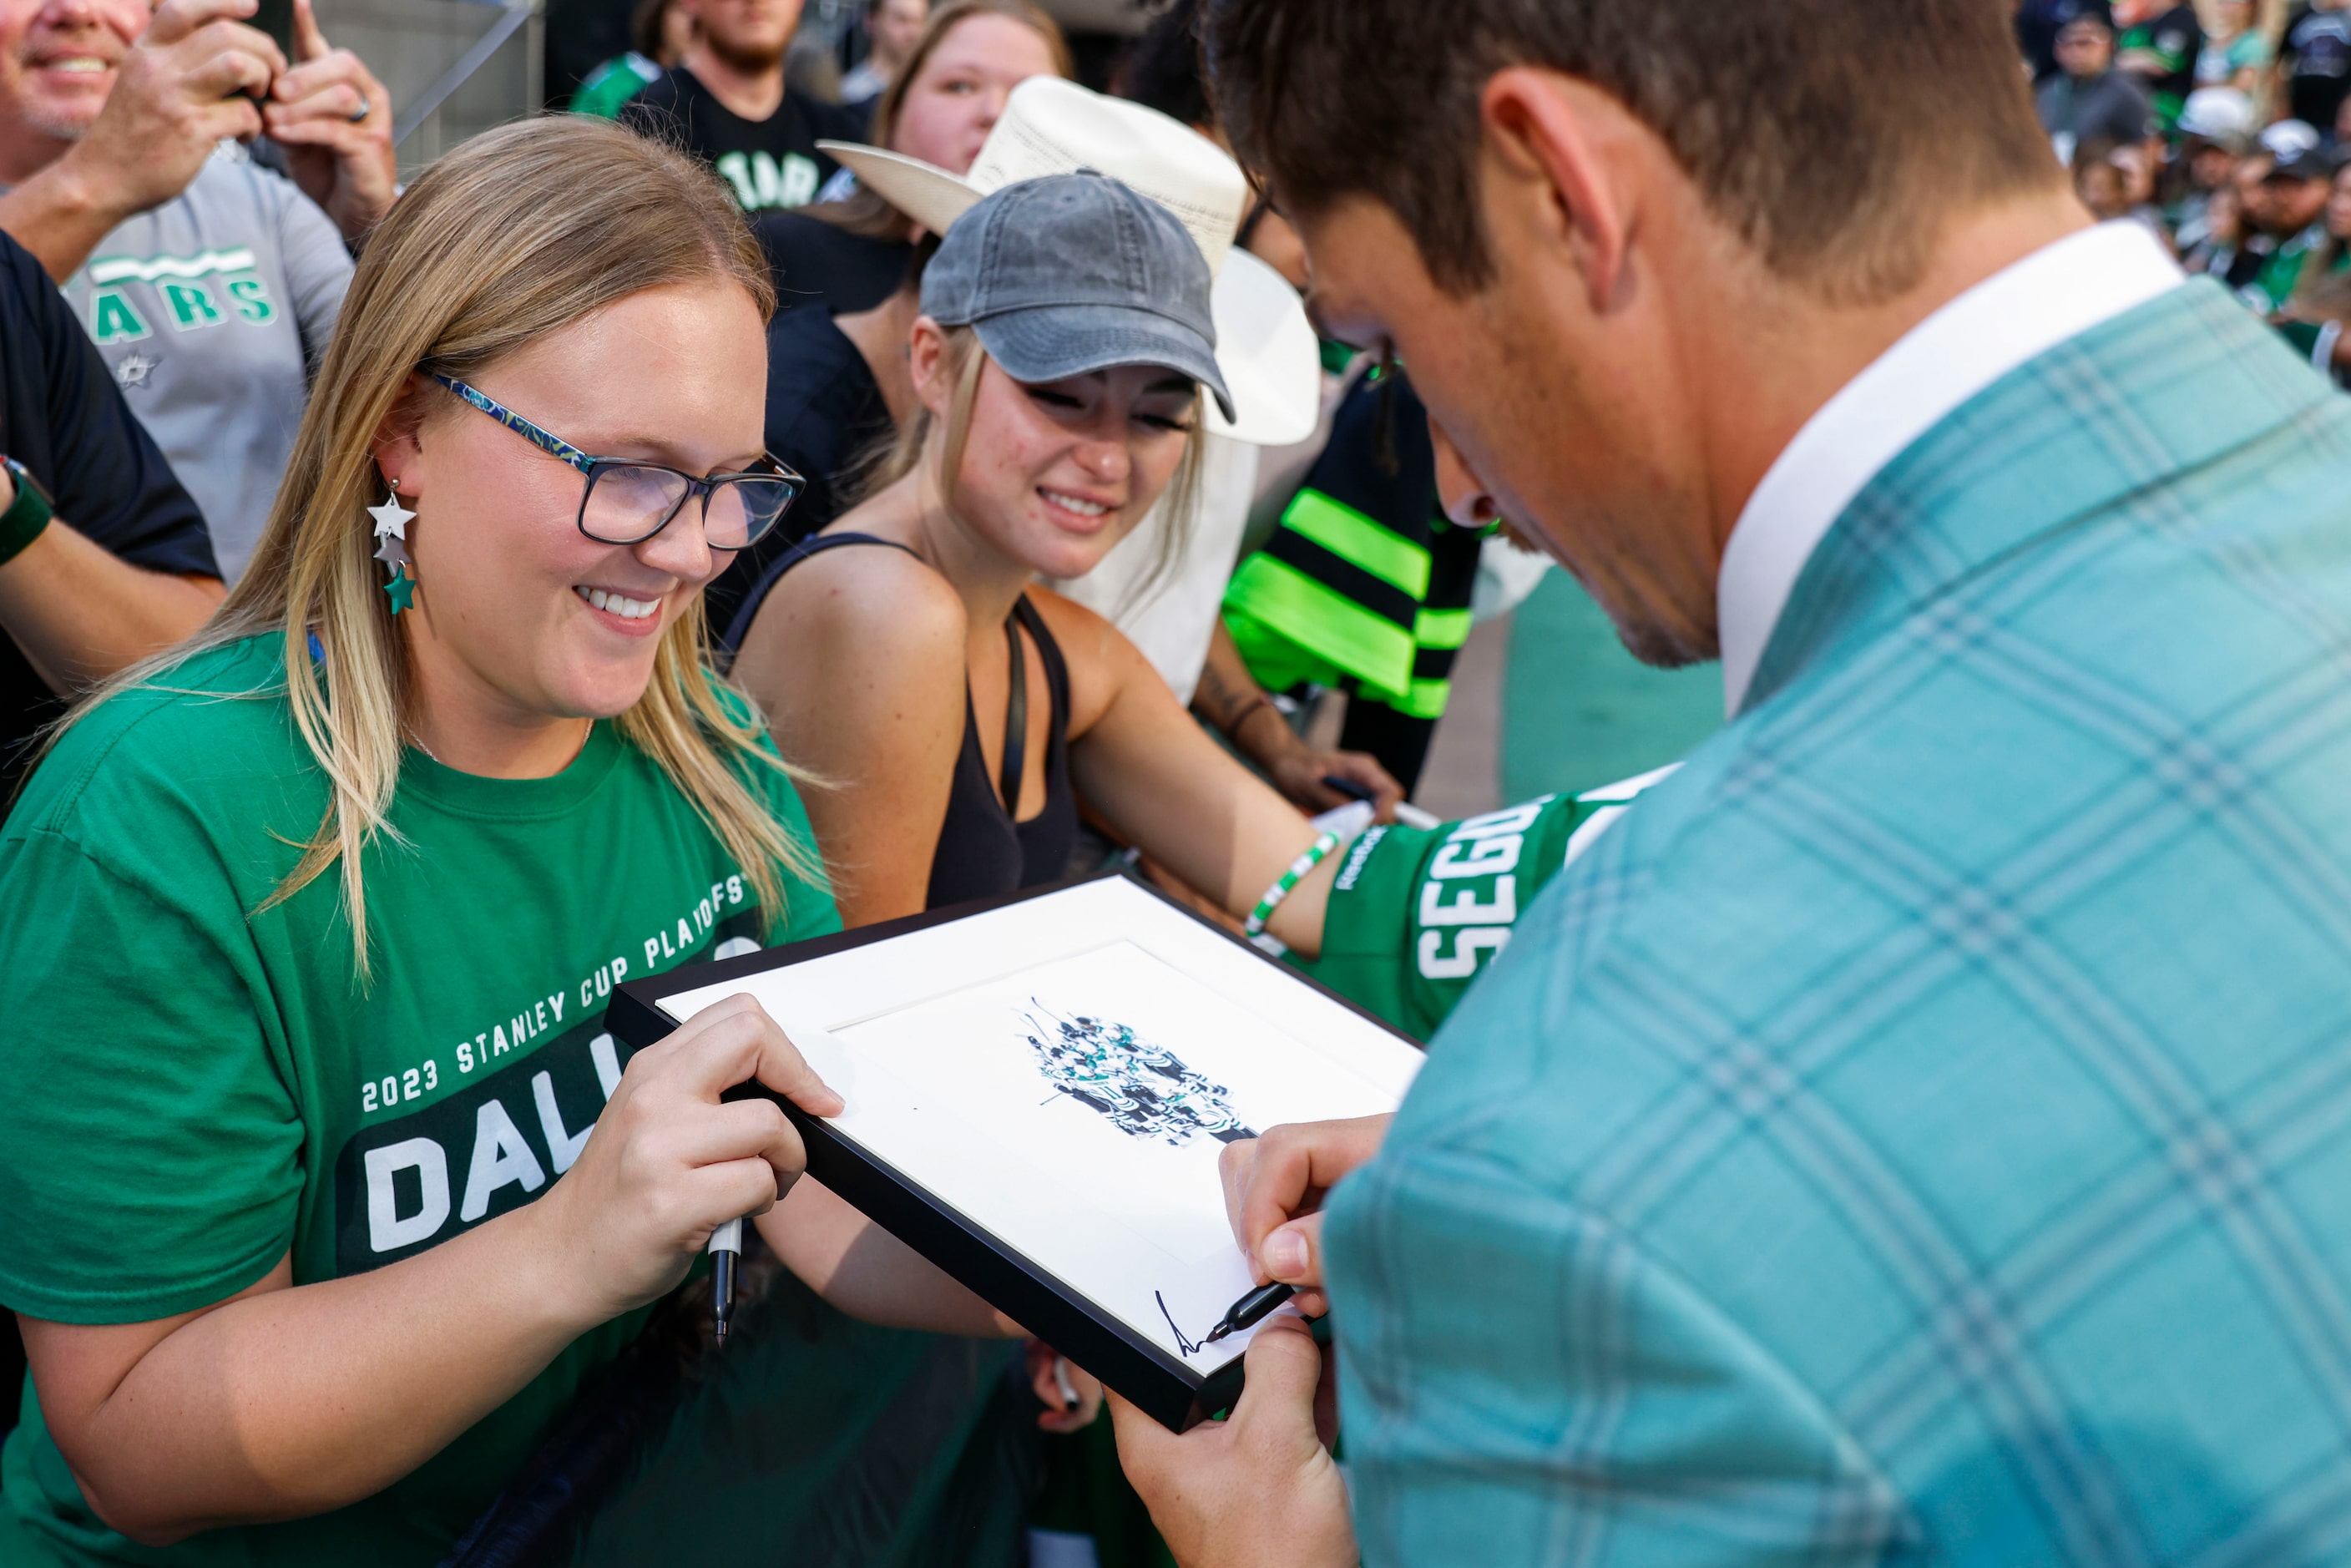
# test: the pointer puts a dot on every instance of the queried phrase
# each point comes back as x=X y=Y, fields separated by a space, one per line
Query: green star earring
x=392 y=520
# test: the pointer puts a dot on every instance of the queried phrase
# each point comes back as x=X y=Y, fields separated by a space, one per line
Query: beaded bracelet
x=1290 y=879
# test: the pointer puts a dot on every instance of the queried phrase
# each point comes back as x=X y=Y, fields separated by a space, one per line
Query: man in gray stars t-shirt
x=209 y=283
x=233 y=283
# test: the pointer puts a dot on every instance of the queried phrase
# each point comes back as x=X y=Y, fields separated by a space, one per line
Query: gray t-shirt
x=2114 y=107
x=212 y=311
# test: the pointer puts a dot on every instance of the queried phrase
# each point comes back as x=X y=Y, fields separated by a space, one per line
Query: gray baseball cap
x=1076 y=273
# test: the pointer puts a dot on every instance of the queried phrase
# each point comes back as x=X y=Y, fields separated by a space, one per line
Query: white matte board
x=1060 y=1071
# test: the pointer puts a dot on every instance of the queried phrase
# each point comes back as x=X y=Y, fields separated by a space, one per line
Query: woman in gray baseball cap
x=1060 y=363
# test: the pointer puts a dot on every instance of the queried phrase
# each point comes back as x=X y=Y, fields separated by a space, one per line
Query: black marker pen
x=724 y=1243
x=1251 y=1310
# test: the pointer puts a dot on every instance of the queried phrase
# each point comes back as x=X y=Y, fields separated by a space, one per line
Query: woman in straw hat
x=310 y=1235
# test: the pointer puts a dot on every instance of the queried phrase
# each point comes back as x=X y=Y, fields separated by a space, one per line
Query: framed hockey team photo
x=1037 y=1090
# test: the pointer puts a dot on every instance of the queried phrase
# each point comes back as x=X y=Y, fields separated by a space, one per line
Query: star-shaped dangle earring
x=392 y=520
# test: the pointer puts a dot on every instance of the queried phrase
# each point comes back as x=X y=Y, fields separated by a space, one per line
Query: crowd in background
x=2229 y=140
x=2234 y=149
x=1226 y=619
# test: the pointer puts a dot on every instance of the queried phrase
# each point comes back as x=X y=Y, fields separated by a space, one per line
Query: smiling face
x=1055 y=475
x=519 y=615
x=957 y=96
x=58 y=63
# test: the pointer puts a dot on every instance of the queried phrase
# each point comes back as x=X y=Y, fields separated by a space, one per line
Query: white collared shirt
x=2058 y=292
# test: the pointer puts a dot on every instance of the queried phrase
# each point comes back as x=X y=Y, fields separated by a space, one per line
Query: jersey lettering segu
x=1416 y=914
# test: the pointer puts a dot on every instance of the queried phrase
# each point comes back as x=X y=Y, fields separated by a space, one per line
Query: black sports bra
x=983 y=851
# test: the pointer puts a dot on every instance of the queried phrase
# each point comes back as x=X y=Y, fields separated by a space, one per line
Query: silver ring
x=364 y=110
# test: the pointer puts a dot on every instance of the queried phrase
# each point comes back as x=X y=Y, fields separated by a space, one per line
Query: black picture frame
x=1174 y=1395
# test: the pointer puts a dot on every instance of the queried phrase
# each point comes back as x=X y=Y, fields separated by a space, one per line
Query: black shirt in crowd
x=771 y=162
x=825 y=415
x=2177 y=36
x=818 y=263
x=62 y=417
x=2316 y=56
x=581 y=36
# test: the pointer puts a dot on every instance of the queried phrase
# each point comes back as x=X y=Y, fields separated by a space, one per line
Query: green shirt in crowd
x=2169 y=42
x=2281 y=272
x=199 y=1086
x=613 y=84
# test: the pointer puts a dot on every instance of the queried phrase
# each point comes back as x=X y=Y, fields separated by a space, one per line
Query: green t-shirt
x=200 y=1088
x=613 y=84
x=2172 y=40
x=2281 y=272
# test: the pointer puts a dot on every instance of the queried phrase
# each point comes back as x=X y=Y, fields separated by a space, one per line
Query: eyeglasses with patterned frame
x=627 y=502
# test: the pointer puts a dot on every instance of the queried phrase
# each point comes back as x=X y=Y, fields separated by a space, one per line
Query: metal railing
x=524 y=17
x=454 y=67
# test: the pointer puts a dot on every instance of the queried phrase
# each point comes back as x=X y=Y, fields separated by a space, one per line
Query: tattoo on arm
x=1218 y=703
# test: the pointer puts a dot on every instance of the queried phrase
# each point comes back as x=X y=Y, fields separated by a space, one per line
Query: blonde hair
x=863 y=212
x=964 y=358
x=516 y=233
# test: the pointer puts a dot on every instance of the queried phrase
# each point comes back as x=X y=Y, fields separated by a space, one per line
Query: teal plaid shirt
x=1921 y=1132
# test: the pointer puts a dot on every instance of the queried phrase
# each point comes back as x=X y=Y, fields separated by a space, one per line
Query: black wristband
x=1264 y=700
x=26 y=516
x=1266 y=757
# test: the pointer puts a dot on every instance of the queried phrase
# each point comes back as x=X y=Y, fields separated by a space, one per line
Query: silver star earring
x=392 y=520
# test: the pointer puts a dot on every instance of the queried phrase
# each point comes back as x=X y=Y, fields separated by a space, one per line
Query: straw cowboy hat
x=1264 y=344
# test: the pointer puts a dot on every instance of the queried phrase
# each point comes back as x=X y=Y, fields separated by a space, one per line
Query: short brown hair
x=1830 y=134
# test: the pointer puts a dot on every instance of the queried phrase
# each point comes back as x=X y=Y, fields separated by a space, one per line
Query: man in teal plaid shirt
x=1919 y=1130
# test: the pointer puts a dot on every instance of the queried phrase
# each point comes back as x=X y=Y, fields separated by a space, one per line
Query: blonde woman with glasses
x=326 y=1189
